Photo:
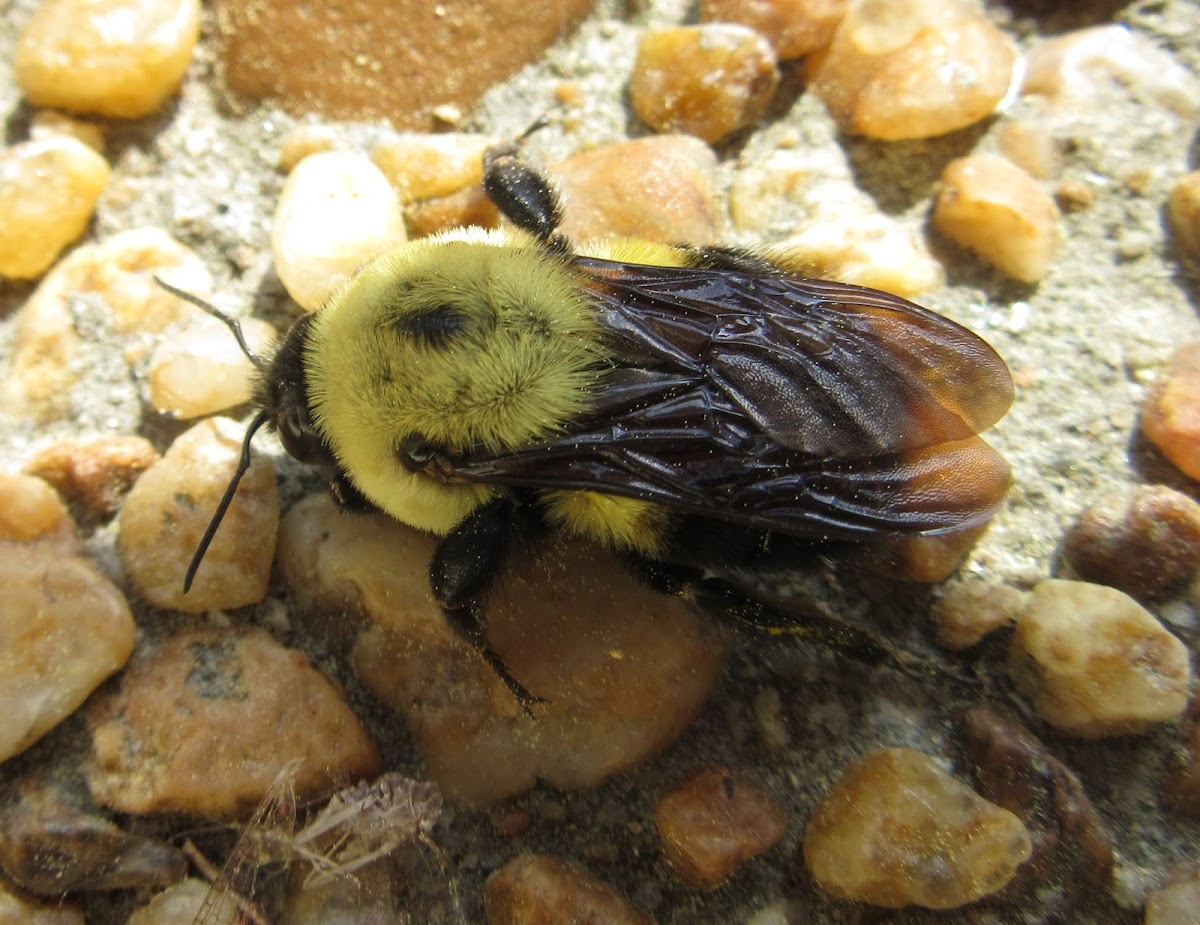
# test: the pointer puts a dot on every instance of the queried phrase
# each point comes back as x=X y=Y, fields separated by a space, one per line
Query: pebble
x=708 y=80
x=53 y=842
x=469 y=206
x=120 y=58
x=1095 y=663
x=422 y=166
x=119 y=272
x=94 y=473
x=18 y=909
x=1071 y=69
x=1171 y=414
x=713 y=822
x=201 y=370
x=48 y=191
x=993 y=207
x=64 y=629
x=536 y=889
x=407 y=61
x=1074 y=196
x=1181 y=786
x=179 y=903
x=896 y=830
x=934 y=558
x=50 y=124
x=169 y=508
x=972 y=608
x=1031 y=146
x=794 y=28
x=623 y=669
x=903 y=69
x=336 y=212
x=32 y=513
x=304 y=140
x=1071 y=844
x=203 y=721
x=1183 y=210
x=658 y=188
x=1176 y=902
x=1145 y=542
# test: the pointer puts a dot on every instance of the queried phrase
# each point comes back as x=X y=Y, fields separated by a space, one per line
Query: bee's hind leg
x=525 y=196
x=465 y=567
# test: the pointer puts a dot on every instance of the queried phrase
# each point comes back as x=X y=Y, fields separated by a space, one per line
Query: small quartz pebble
x=467 y=207
x=1096 y=663
x=181 y=902
x=31 y=512
x=169 y=508
x=18 y=909
x=896 y=830
x=622 y=669
x=658 y=188
x=95 y=473
x=993 y=207
x=708 y=80
x=713 y=822
x=204 y=721
x=1183 y=208
x=64 y=629
x=201 y=370
x=970 y=609
x=304 y=140
x=537 y=889
x=424 y=166
x=1071 y=68
x=1176 y=902
x=900 y=69
x=118 y=58
x=1181 y=787
x=336 y=212
x=1029 y=145
x=1171 y=415
x=51 y=124
x=1071 y=844
x=48 y=191
x=793 y=27
x=1145 y=543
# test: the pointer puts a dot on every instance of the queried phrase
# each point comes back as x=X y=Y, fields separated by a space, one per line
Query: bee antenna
x=228 y=320
x=243 y=464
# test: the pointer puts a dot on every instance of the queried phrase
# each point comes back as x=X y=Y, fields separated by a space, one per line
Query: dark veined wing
x=809 y=407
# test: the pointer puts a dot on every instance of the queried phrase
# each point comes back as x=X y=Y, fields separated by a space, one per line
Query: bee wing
x=813 y=408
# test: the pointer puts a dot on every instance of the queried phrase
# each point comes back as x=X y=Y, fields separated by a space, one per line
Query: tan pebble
x=49 y=124
x=1145 y=543
x=118 y=58
x=426 y=166
x=1171 y=415
x=991 y=206
x=1073 y=67
x=1181 y=786
x=1183 y=209
x=1175 y=903
x=901 y=69
x=896 y=830
x=48 y=191
x=570 y=93
x=658 y=188
x=970 y=609
x=1029 y=145
x=713 y=822
x=415 y=63
x=169 y=508
x=1074 y=196
x=623 y=670
x=95 y=473
x=201 y=370
x=537 y=888
x=1095 y=663
x=1072 y=846
x=19 y=909
x=794 y=28
x=180 y=902
x=32 y=511
x=707 y=80
x=934 y=558
x=469 y=206
x=64 y=629
x=304 y=140
x=336 y=211
x=204 y=721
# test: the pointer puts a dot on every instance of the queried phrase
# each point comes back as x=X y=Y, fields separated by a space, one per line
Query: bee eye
x=297 y=434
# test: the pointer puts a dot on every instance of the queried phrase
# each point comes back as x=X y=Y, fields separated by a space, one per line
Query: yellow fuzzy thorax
x=517 y=360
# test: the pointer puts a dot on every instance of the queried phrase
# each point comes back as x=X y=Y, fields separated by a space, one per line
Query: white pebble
x=201 y=370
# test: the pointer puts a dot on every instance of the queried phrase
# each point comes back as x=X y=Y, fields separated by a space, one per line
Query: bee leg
x=525 y=196
x=464 y=568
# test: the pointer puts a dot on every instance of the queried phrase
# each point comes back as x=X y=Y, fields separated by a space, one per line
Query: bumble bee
x=691 y=407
